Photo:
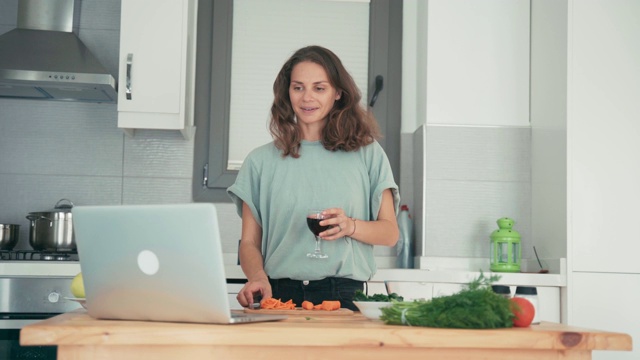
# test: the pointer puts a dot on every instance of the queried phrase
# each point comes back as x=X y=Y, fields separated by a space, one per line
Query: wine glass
x=313 y=222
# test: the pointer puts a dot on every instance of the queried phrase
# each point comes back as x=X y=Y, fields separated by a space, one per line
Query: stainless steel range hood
x=43 y=59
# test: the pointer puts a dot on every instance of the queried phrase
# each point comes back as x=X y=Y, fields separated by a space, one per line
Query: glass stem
x=317 y=251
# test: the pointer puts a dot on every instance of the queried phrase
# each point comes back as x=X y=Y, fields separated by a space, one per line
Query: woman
x=324 y=155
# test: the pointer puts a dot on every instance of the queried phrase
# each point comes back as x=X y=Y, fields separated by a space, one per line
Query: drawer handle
x=129 y=64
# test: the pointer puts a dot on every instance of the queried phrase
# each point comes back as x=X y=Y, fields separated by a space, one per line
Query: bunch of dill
x=475 y=307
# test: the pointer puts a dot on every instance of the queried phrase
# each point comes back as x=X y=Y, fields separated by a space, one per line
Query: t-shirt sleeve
x=381 y=177
x=245 y=189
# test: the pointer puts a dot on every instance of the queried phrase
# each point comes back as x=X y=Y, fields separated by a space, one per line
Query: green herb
x=475 y=307
x=361 y=296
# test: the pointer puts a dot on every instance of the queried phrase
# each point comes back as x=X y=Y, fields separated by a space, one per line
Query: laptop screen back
x=152 y=262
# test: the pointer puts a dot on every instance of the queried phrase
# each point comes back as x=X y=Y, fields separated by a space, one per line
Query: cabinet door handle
x=129 y=64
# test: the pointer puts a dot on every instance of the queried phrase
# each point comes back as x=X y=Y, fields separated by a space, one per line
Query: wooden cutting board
x=303 y=312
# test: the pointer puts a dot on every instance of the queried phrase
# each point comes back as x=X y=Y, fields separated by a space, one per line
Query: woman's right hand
x=249 y=291
x=251 y=261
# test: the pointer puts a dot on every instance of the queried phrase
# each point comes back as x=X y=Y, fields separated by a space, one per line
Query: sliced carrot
x=269 y=303
x=289 y=305
x=307 y=305
x=330 y=305
x=277 y=304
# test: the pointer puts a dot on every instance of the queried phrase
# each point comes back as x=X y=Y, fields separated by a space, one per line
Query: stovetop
x=31 y=263
x=34 y=255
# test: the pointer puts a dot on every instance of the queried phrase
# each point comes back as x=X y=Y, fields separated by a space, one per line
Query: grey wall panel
x=158 y=153
x=59 y=138
x=8 y=15
x=475 y=175
x=24 y=193
x=478 y=153
x=98 y=14
x=461 y=215
x=148 y=190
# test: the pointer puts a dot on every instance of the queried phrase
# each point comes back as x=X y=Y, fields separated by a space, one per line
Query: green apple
x=77 y=286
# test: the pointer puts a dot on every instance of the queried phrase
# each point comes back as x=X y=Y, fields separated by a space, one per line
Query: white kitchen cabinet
x=603 y=150
x=604 y=135
x=585 y=91
x=476 y=56
x=607 y=302
x=157 y=65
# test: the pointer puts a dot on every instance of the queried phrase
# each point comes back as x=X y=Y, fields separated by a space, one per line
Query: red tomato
x=523 y=311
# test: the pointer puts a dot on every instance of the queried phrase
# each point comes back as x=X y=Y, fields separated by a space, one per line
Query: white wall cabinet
x=157 y=65
x=476 y=56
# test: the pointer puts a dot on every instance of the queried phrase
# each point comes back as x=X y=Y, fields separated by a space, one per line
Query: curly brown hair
x=350 y=125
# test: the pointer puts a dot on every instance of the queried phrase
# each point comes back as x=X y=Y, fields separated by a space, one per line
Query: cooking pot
x=9 y=236
x=53 y=230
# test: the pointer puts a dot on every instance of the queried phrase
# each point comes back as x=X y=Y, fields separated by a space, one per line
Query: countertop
x=79 y=336
x=436 y=275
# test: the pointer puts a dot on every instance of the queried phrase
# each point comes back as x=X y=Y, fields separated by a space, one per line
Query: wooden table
x=79 y=336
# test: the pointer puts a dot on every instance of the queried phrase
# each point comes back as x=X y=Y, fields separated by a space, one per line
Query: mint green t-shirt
x=279 y=191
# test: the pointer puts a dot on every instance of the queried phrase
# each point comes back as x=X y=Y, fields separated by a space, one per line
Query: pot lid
x=60 y=206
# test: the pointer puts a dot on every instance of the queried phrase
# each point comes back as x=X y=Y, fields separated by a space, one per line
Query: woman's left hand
x=342 y=224
x=382 y=230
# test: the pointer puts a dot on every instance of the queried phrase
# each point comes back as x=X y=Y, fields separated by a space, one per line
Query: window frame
x=211 y=177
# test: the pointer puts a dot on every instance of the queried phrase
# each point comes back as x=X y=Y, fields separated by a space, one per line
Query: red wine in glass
x=313 y=222
x=315 y=227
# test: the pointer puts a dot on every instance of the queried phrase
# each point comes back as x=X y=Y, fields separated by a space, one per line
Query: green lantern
x=506 y=251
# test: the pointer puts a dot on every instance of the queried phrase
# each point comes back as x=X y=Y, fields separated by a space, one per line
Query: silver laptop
x=156 y=263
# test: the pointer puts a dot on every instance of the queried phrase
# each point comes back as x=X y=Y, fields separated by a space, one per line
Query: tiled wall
x=474 y=176
x=54 y=150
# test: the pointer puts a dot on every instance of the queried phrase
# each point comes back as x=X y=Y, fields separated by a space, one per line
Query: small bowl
x=371 y=309
x=410 y=290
